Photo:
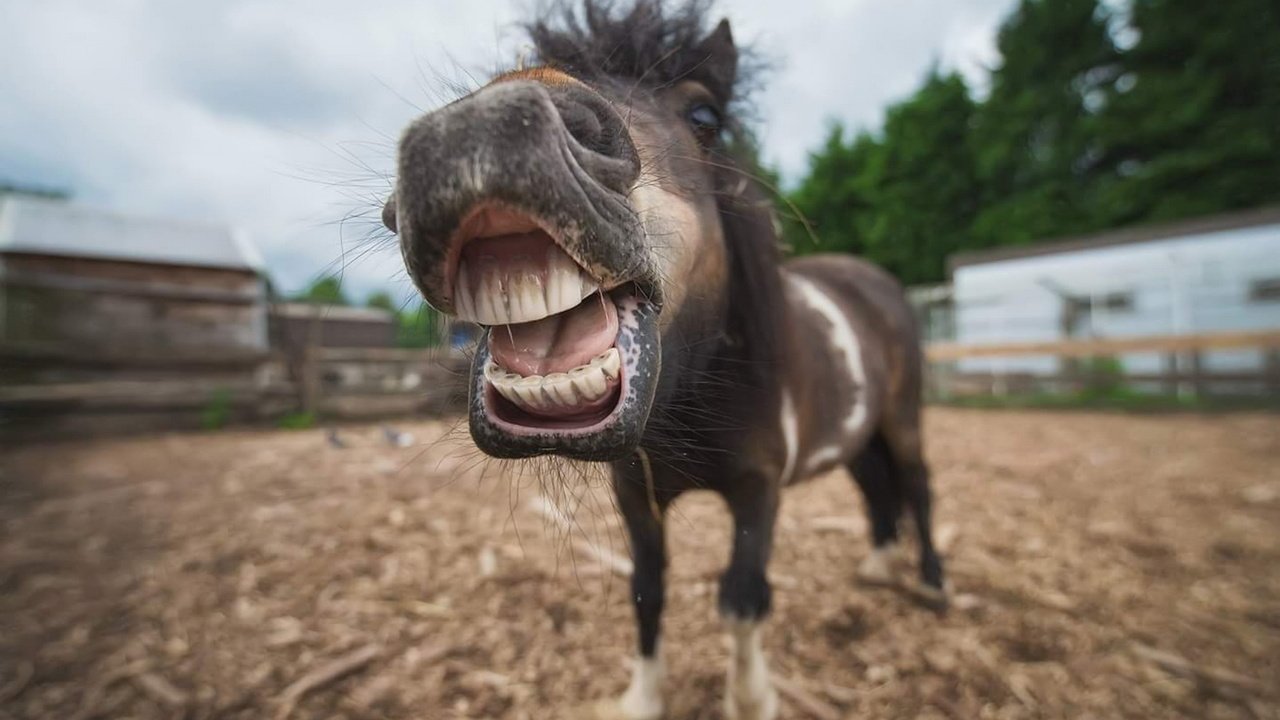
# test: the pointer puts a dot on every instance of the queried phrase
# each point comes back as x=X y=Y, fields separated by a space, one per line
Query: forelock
x=651 y=42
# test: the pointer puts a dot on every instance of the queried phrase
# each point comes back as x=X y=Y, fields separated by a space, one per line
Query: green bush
x=297 y=421
x=217 y=412
x=1103 y=378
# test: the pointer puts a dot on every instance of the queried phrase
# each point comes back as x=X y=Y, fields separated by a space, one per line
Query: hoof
x=643 y=697
x=934 y=598
x=764 y=707
x=617 y=710
x=879 y=567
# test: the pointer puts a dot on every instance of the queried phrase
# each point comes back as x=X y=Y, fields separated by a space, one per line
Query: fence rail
x=1184 y=370
x=48 y=392
x=1104 y=347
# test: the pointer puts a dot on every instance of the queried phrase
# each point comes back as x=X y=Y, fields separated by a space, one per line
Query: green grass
x=297 y=421
x=217 y=412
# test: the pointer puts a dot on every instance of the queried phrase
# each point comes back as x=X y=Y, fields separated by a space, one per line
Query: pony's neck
x=722 y=361
x=756 y=311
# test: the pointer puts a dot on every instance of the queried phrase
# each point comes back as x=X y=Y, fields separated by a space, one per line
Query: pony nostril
x=601 y=132
x=593 y=123
x=584 y=126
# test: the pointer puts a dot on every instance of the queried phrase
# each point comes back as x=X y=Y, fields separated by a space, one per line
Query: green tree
x=1194 y=122
x=381 y=299
x=834 y=196
x=326 y=290
x=904 y=200
x=1038 y=157
x=421 y=327
x=921 y=182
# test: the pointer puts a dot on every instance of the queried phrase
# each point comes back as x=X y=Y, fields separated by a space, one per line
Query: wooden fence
x=1184 y=367
x=66 y=394
x=49 y=393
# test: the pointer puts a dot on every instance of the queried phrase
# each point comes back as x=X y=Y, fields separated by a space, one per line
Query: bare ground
x=1103 y=565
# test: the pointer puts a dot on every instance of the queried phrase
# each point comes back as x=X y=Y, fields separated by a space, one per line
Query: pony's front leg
x=643 y=697
x=745 y=599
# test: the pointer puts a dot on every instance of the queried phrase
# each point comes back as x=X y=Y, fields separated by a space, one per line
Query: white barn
x=1220 y=273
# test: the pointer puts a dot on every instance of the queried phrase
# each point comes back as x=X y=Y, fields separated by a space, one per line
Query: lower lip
x=508 y=417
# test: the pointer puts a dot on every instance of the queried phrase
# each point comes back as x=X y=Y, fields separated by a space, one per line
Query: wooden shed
x=296 y=324
x=91 y=301
x=80 y=282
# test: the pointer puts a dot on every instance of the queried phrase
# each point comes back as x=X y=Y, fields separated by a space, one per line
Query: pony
x=591 y=211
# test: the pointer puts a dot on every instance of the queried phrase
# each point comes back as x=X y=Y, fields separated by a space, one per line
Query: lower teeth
x=581 y=385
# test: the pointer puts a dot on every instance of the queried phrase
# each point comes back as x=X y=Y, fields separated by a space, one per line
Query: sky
x=280 y=116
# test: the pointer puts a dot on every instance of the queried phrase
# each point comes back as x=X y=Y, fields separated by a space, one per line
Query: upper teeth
x=582 y=384
x=504 y=296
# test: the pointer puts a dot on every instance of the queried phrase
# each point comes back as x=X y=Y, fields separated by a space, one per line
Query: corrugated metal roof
x=48 y=226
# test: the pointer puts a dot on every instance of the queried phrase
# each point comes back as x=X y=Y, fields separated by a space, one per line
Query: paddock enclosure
x=1104 y=565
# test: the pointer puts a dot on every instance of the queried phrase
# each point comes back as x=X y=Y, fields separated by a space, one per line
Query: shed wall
x=1192 y=284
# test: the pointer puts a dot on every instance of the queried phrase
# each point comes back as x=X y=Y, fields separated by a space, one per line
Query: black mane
x=650 y=41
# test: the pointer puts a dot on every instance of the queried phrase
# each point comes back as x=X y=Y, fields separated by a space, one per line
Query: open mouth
x=567 y=365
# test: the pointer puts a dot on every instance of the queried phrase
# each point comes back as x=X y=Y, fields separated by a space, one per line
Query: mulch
x=1104 y=565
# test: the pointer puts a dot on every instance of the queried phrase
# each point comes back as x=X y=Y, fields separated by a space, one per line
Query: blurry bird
x=396 y=438
x=334 y=440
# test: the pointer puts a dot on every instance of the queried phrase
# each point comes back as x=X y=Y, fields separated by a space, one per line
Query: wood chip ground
x=1104 y=565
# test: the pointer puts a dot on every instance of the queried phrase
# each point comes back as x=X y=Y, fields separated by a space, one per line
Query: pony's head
x=573 y=208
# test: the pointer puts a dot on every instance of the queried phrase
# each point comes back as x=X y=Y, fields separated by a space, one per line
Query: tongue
x=557 y=343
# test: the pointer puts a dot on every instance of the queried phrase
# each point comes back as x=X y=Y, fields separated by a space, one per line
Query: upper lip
x=556 y=290
x=524 y=274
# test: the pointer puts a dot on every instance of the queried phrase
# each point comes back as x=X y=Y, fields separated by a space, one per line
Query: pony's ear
x=720 y=66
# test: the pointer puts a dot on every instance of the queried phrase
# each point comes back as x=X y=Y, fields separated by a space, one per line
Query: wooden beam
x=135 y=393
x=132 y=357
x=383 y=354
x=132 y=288
x=1102 y=347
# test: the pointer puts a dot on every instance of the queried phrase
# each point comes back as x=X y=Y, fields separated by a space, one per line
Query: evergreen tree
x=421 y=327
x=922 y=181
x=381 y=299
x=1076 y=136
x=834 y=197
x=1038 y=157
x=1194 y=122
x=326 y=290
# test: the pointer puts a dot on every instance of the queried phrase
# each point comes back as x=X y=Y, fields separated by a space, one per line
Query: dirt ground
x=1103 y=566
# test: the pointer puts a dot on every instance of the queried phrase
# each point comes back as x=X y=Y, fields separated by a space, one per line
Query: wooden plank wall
x=179 y=392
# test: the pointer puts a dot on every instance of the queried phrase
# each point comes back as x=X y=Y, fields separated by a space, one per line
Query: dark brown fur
x=757 y=388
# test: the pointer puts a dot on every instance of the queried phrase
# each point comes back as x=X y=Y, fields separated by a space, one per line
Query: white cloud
x=280 y=116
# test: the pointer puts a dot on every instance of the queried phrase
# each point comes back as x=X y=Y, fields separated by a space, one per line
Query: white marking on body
x=823 y=456
x=789 y=434
x=845 y=340
x=749 y=694
x=643 y=698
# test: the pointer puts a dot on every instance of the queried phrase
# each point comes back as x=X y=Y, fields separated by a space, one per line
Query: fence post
x=1271 y=370
x=1199 y=382
x=309 y=392
x=1171 y=374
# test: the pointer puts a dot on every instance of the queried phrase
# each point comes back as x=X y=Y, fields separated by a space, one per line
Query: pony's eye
x=706 y=121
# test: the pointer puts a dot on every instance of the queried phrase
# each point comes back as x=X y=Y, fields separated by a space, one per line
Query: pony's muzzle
x=560 y=155
x=513 y=208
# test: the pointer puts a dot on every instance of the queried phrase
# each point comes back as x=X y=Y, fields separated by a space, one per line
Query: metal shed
x=1208 y=275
